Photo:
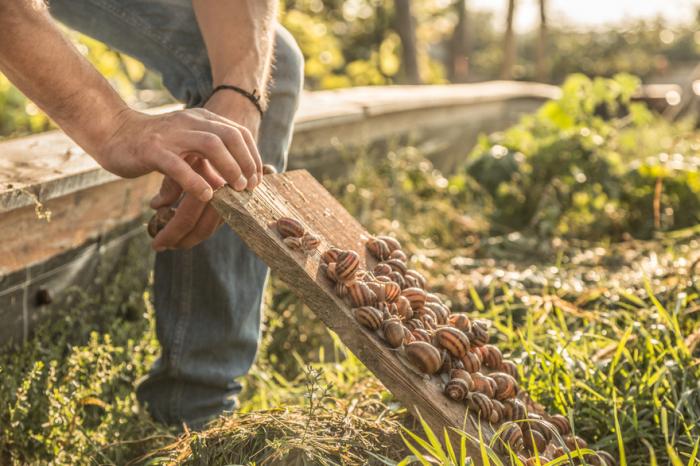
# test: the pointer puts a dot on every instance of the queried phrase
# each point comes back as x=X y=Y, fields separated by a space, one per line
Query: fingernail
x=155 y=202
x=160 y=248
x=240 y=184
x=206 y=195
x=253 y=181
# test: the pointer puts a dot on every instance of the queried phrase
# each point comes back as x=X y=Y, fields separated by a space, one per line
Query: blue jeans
x=207 y=299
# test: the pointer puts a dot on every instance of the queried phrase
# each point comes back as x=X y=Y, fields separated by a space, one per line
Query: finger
x=184 y=175
x=168 y=194
x=211 y=147
x=186 y=218
x=253 y=147
x=237 y=145
x=208 y=223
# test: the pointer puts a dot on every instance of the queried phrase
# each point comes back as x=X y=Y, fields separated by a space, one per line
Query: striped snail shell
x=361 y=295
x=393 y=332
x=471 y=362
x=378 y=290
x=310 y=242
x=382 y=269
x=456 y=389
x=368 y=317
x=398 y=254
x=534 y=441
x=484 y=384
x=506 y=386
x=341 y=289
x=413 y=324
x=561 y=423
x=330 y=271
x=510 y=438
x=346 y=266
x=415 y=296
x=397 y=266
x=417 y=277
x=601 y=458
x=421 y=335
x=424 y=356
x=287 y=227
x=426 y=311
x=411 y=282
x=378 y=248
x=159 y=220
x=497 y=414
x=407 y=336
x=392 y=291
x=393 y=243
x=429 y=321
x=491 y=356
x=480 y=404
x=460 y=321
x=464 y=375
x=365 y=276
x=403 y=308
x=535 y=422
x=574 y=442
x=292 y=242
x=514 y=409
x=330 y=255
x=385 y=309
x=453 y=340
x=441 y=312
x=397 y=278
x=433 y=298
x=509 y=368
x=478 y=334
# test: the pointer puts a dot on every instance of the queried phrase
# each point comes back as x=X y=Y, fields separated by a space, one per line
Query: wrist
x=235 y=107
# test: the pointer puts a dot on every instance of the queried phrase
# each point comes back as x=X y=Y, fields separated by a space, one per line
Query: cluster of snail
x=295 y=236
x=393 y=301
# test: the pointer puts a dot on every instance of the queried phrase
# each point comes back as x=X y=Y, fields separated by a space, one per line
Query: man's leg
x=207 y=298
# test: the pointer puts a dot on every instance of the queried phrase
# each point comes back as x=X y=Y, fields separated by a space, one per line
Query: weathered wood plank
x=298 y=195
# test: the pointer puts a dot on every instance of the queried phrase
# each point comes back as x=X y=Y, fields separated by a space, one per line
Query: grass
x=606 y=333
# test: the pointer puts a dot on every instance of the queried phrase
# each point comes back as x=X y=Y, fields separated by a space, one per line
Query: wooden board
x=298 y=195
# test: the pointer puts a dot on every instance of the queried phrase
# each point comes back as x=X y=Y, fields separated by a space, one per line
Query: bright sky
x=593 y=12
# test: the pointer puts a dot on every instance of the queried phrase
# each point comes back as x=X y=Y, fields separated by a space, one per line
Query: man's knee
x=289 y=62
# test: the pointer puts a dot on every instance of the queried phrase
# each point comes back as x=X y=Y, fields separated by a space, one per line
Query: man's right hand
x=144 y=143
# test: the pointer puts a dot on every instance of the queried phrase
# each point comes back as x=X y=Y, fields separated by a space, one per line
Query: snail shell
x=292 y=242
x=392 y=291
x=268 y=169
x=346 y=266
x=378 y=248
x=403 y=308
x=497 y=414
x=534 y=441
x=464 y=375
x=368 y=317
x=510 y=438
x=484 y=384
x=161 y=218
x=574 y=442
x=397 y=266
x=413 y=324
x=330 y=271
x=480 y=404
x=382 y=269
x=310 y=242
x=331 y=255
x=391 y=242
x=514 y=409
x=535 y=422
x=287 y=227
x=561 y=423
x=418 y=278
x=506 y=386
x=415 y=296
x=432 y=298
x=361 y=295
x=428 y=320
x=456 y=389
x=398 y=254
x=397 y=278
x=509 y=368
x=421 y=335
x=440 y=311
x=424 y=356
x=460 y=321
x=472 y=362
x=341 y=289
x=479 y=334
x=393 y=332
x=378 y=290
x=601 y=458
x=491 y=356
x=453 y=340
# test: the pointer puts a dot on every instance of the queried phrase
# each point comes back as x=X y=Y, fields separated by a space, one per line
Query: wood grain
x=298 y=195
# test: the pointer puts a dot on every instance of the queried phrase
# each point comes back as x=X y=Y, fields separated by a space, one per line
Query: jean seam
x=186 y=60
x=183 y=319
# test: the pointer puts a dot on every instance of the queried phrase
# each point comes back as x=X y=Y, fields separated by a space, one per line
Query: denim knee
x=289 y=62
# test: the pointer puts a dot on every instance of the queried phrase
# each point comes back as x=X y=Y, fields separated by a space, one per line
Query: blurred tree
x=406 y=29
x=509 y=44
x=541 y=71
x=459 y=45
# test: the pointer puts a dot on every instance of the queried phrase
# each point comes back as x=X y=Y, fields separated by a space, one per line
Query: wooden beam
x=298 y=195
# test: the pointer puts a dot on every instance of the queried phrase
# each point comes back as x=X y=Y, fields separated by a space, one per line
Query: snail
x=347 y=264
x=491 y=356
x=330 y=271
x=417 y=277
x=161 y=218
x=413 y=324
x=368 y=317
x=561 y=423
x=453 y=340
x=268 y=169
x=514 y=409
x=392 y=291
x=480 y=404
x=479 y=334
x=421 y=335
x=310 y=242
x=456 y=389
x=377 y=288
x=460 y=321
x=392 y=243
x=498 y=412
x=506 y=386
x=341 y=289
x=432 y=298
x=472 y=362
x=415 y=296
x=397 y=278
x=484 y=384
x=510 y=439
x=397 y=266
x=360 y=294
x=464 y=375
x=534 y=441
x=398 y=254
x=330 y=255
x=574 y=442
x=424 y=356
x=393 y=332
x=509 y=368
x=378 y=248
x=535 y=422
x=292 y=242
x=440 y=311
x=428 y=320
x=382 y=269
x=600 y=458
x=403 y=308
x=287 y=227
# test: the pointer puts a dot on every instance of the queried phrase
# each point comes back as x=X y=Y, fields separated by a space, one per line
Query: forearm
x=48 y=69
x=239 y=36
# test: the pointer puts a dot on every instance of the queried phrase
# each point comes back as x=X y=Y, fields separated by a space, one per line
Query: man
x=208 y=285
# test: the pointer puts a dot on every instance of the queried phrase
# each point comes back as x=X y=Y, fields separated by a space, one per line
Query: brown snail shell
x=392 y=291
x=424 y=356
x=460 y=321
x=413 y=324
x=479 y=334
x=534 y=440
x=484 y=384
x=456 y=389
x=378 y=290
x=480 y=404
x=292 y=242
x=535 y=422
x=415 y=296
x=382 y=269
x=160 y=218
x=346 y=266
x=418 y=278
x=287 y=227
x=429 y=321
x=514 y=409
x=472 y=362
x=433 y=298
x=509 y=368
x=561 y=423
x=510 y=439
x=421 y=335
x=330 y=255
x=601 y=458
x=491 y=356
x=453 y=340
x=403 y=308
x=440 y=311
x=497 y=414
x=361 y=295
x=574 y=442
x=341 y=289
x=398 y=254
x=268 y=169
x=368 y=317
x=330 y=271
x=310 y=242
x=391 y=242
x=397 y=278
x=397 y=266
x=393 y=332
x=506 y=386
x=378 y=248
x=464 y=375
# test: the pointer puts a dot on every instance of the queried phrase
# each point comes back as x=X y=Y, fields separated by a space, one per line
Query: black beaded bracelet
x=254 y=97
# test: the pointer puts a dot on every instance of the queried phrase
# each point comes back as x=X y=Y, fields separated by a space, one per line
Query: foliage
x=591 y=164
